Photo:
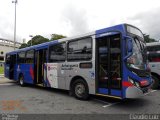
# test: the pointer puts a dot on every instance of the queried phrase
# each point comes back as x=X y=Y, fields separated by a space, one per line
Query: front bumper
x=134 y=92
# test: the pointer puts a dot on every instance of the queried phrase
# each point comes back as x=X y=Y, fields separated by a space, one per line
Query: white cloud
x=75 y=19
x=71 y=17
x=149 y=22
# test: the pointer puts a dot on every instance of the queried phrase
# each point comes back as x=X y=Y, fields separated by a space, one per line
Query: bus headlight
x=134 y=82
x=137 y=84
x=130 y=80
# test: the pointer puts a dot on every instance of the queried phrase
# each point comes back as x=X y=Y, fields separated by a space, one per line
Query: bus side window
x=21 y=57
x=80 y=49
x=30 y=56
x=7 y=59
x=57 y=52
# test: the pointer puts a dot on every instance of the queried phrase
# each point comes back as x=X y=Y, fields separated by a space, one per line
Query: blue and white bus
x=107 y=62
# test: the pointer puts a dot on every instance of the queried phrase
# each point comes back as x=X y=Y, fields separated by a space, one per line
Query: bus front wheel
x=80 y=89
x=155 y=84
x=21 y=80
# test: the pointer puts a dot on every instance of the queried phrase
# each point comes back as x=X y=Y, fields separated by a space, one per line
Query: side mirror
x=129 y=45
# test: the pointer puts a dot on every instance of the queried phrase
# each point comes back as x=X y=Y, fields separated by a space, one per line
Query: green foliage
x=23 y=46
x=57 y=36
x=148 y=39
x=38 y=39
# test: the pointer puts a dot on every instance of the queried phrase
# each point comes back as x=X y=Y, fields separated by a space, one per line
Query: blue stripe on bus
x=115 y=92
x=113 y=29
x=36 y=47
x=103 y=90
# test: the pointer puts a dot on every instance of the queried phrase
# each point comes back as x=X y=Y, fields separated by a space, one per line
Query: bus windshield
x=134 y=31
x=138 y=58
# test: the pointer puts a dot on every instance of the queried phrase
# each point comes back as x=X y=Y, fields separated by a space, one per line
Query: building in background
x=6 y=46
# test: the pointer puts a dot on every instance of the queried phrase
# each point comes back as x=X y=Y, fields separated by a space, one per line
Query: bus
x=153 y=52
x=107 y=62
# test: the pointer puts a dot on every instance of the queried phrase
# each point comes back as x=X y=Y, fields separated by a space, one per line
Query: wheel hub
x=79 y=90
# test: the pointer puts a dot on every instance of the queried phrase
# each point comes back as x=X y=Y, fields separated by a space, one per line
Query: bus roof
x=45 y=45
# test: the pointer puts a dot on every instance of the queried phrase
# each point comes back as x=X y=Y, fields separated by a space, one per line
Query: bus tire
x=80 y=89
x=21 y=81
x=155 y=84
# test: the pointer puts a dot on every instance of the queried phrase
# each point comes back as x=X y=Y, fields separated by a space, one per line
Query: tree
x=23 y=46
x=38 y=39
x=57 y=36
x=148 y=39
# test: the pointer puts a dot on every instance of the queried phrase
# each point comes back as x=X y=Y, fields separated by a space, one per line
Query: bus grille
x=145 y=90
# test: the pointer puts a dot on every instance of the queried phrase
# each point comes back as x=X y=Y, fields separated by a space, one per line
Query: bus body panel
x=153 y=52
x=155 y=67
x=88 y=74
x=133 y=92
x=153 y=49
x=27 y=71
x=59 y=75
x=56 y=79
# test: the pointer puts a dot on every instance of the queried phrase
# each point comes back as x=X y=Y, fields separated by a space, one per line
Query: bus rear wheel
x=21 y=80
x=80 y=89
x=155 y=84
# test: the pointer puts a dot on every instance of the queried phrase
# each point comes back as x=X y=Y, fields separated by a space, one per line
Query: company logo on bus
x=68 y=66
x=52 y=67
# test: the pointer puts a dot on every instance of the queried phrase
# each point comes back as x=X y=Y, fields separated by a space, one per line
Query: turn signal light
x=143 y=82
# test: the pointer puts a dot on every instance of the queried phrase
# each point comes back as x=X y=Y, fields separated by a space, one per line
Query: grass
x=1 y=70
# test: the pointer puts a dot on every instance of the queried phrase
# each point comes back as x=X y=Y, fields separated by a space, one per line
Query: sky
x=74 y=17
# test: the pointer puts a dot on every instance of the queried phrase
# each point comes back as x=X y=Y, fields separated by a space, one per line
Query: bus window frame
x=48 y=53
x=9 y=59
x=132 y=34
x=24 y=62
x=68 y=60
x=32 y=58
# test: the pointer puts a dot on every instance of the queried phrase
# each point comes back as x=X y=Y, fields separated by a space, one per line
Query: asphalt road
x=36 y=100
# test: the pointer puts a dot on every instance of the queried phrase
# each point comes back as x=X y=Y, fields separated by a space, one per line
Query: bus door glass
x=12 y=68
x=7 y=65
x=40 y=59
x=109 y=65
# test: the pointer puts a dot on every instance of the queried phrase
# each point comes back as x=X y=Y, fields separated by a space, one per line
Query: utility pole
x=15 y=2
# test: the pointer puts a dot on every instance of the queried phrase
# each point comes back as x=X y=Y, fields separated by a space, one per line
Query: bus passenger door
x=12 y=69
x=109 y=65
x=40 y=59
